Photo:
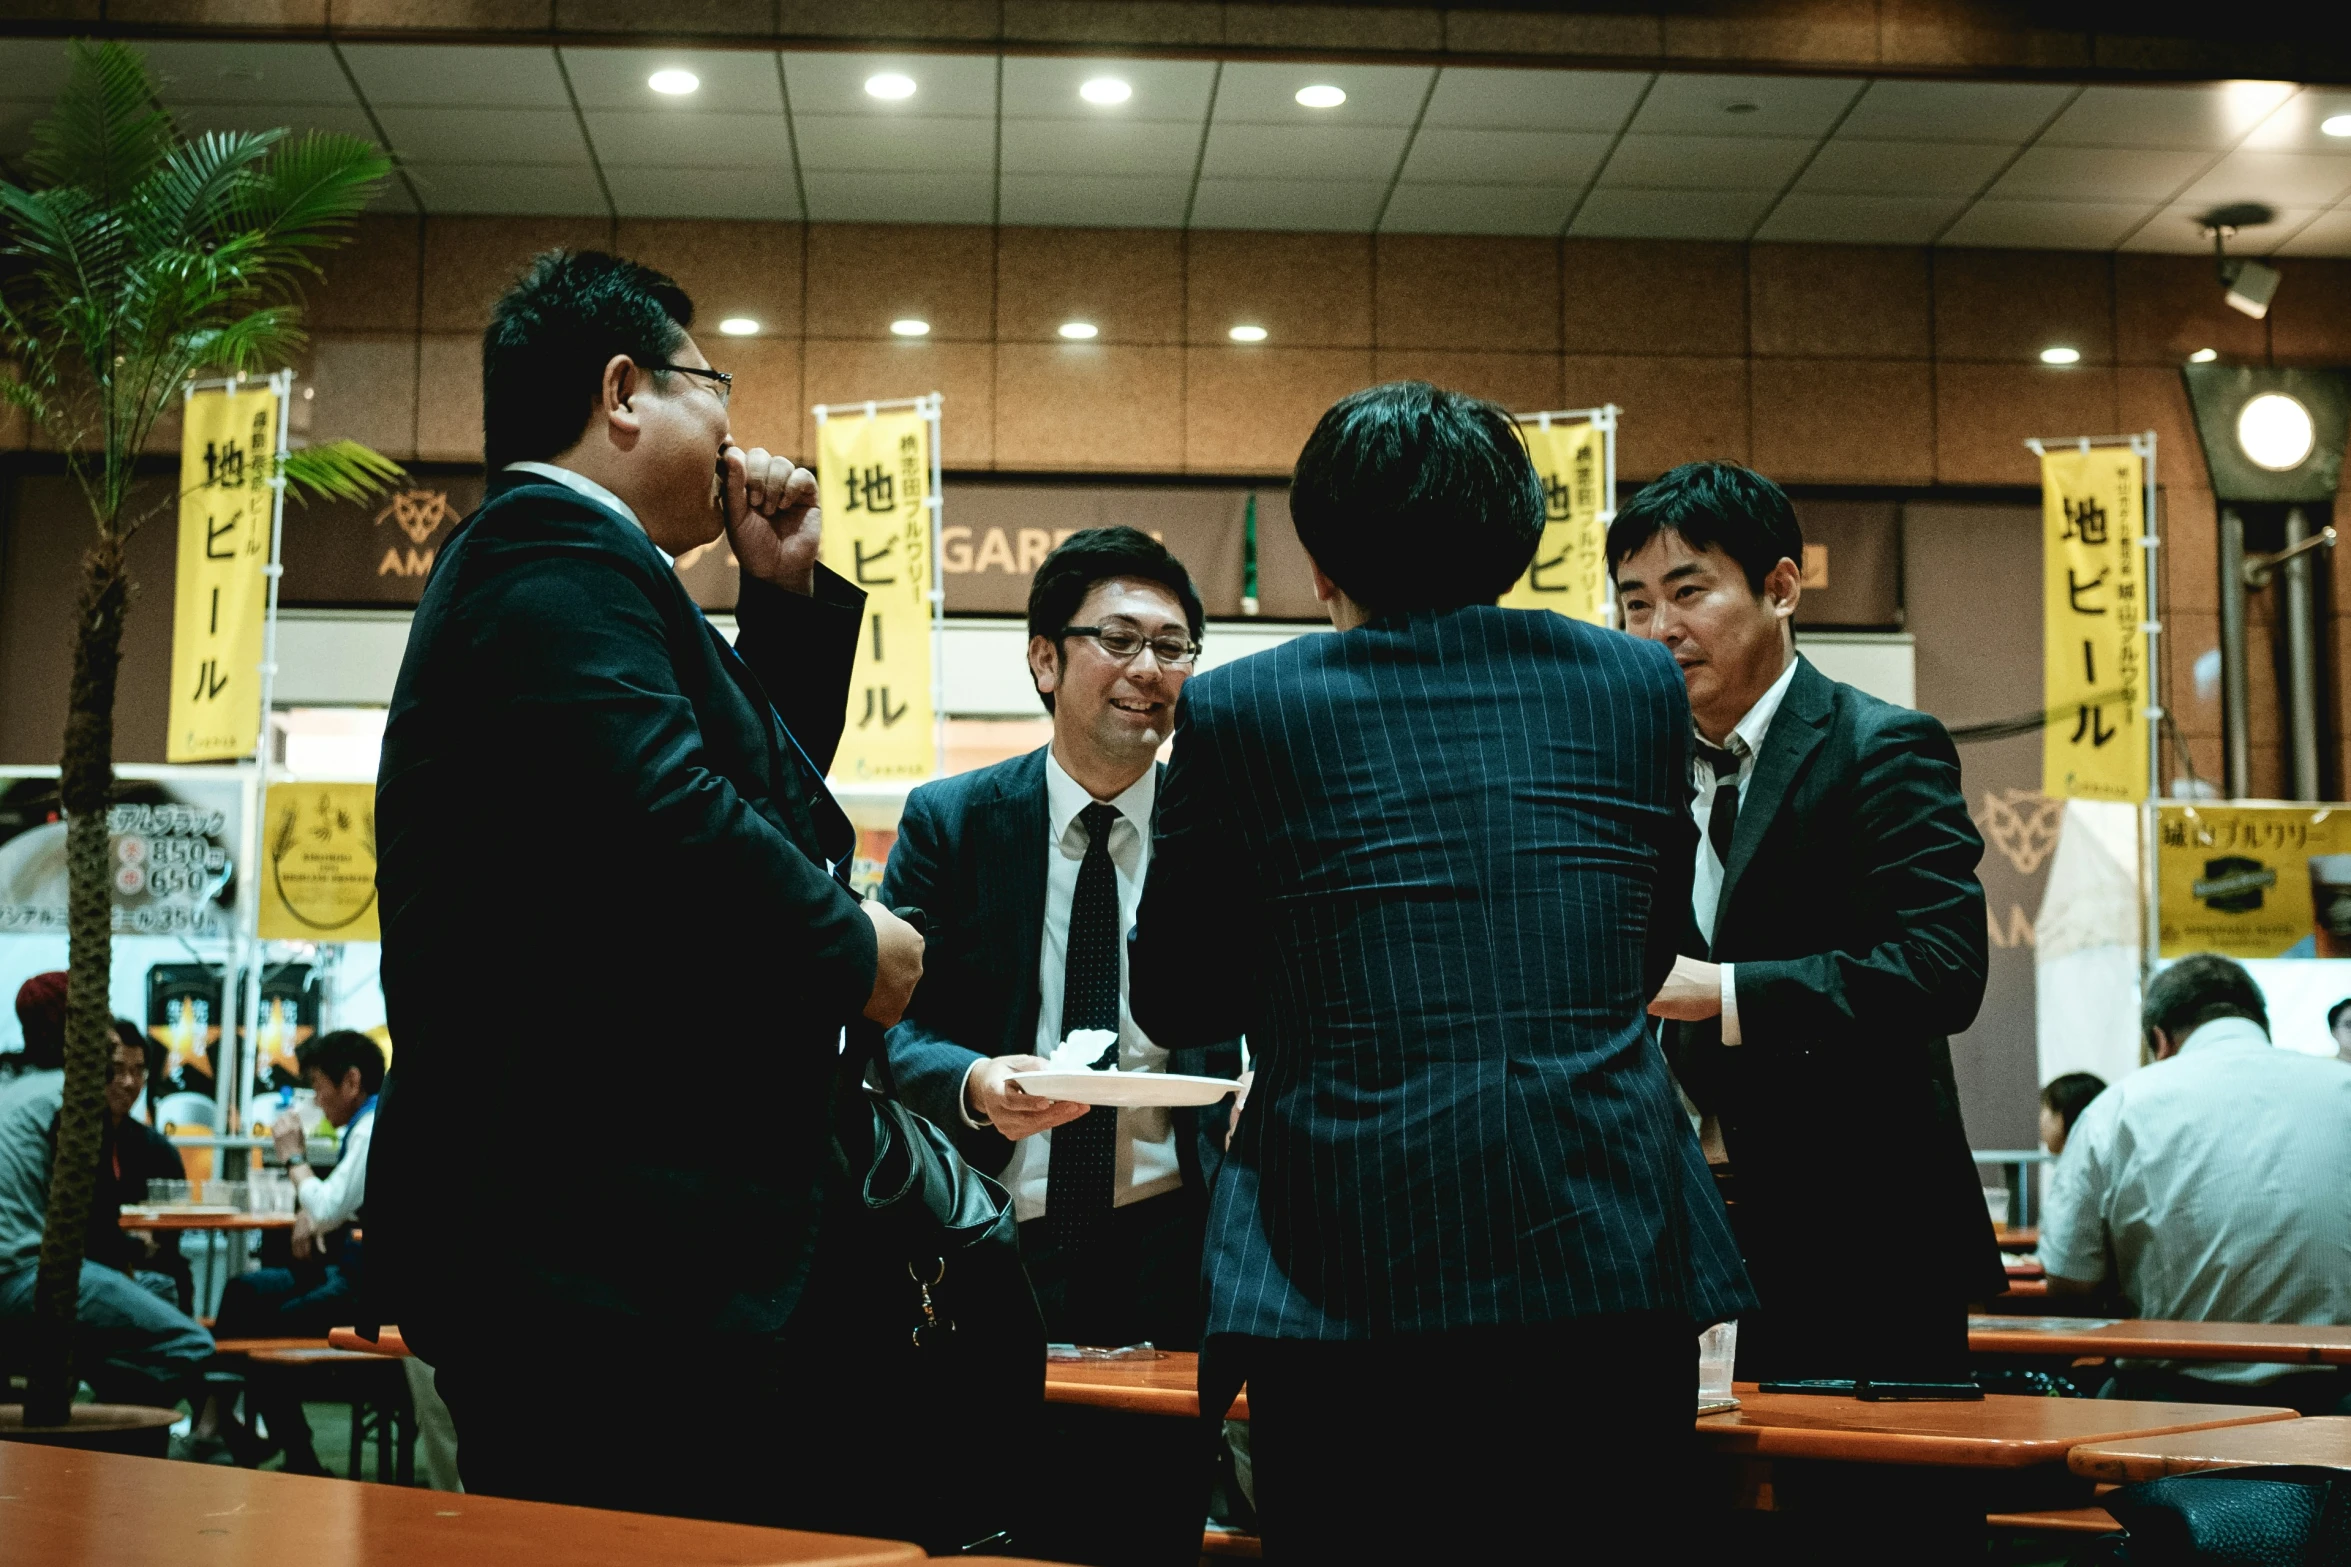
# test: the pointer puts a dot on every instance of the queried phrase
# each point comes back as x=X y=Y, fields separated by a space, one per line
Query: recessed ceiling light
x=675 y=83
x=891 y=85
x=1106 y=89
x=2336 y=125
x=1247 y=334
x=2276 y=431
x=2203 y=356
x=739 y=326
x=911 y=326
x=1741 y=106
x=1079 y=331
x=2061 y=356
x=1322 y=96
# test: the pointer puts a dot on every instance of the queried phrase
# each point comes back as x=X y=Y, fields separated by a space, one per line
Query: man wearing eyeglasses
x=1030 y=871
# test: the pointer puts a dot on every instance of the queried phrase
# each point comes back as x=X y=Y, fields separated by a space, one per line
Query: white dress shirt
x=2211 y=1187
x=1746 y=742
x=1145 y=1155
x=334 y=1198
x=593 y=491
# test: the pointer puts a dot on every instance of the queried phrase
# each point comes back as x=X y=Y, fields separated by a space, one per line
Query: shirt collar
x=1746 y=737
x=2226 y=1031
x=1065 y=797
x=584 y=485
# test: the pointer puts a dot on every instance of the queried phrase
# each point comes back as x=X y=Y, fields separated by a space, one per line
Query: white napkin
x=1082 y=1048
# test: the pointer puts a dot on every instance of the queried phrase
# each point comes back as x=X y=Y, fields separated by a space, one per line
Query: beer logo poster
x=319 y=882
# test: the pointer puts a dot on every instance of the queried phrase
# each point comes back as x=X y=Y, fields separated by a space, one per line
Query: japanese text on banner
x=874 y=476
x=2254 y=881
x=228 y=452
x=2094 y=745
x=320 y=843
x=1569 y=573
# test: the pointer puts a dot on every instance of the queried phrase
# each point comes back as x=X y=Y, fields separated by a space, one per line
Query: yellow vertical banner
x=319 y=844
x=228 y=451
x=874 y=478
x=2094 y=743
x=1569 y=574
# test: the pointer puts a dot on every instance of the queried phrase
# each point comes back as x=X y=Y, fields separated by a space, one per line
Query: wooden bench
x=1230 y=1542
x=371 y=1384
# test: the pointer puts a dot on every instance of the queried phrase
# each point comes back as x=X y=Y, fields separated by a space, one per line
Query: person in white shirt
x=2210 y=1187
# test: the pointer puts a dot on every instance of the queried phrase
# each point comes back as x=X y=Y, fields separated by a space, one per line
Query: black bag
x=2286 y=1515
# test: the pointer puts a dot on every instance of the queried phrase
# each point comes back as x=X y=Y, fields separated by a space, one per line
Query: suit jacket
x=971 y=853
x=605 y=899
x=1435 y=867
x=1851 y=908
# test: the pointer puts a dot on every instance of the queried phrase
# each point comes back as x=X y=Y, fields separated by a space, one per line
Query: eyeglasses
x=1124 y=642
x=722 y=385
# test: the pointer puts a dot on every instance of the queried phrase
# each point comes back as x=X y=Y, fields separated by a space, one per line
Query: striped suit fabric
x=1434 y=867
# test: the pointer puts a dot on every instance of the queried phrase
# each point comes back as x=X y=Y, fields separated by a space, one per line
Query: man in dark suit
x=1836 y=940
x=1030 y=871
x=1434 y=866
x=592 y=808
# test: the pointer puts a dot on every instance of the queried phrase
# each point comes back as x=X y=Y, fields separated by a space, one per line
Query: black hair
x=1093 y=555
x=1411 y=497
x=550 y=338
x=2199 y=989
x=2335 y=1012
x=1711 y=503
x=2070 y=1095
x=337 y=1053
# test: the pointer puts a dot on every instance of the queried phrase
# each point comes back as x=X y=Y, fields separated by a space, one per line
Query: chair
x=374 y=1387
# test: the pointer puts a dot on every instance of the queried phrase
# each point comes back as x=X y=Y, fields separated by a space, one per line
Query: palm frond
x=191 y=195
x=108 y=131
x=309 y=191
x=246 y=342
x=337 y=470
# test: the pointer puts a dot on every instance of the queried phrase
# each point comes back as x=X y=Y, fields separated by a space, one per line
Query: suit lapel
x=1797 y=730
x=1014 y=834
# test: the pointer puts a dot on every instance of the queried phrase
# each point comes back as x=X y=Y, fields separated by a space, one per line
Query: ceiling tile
x=2096 y=174
x=485 y=135
x=16 y=126
x=516 y=189
x=2208 y=116
x=2045 y=225
x=1784 y=105
x=1669 y=214
x=945 y=84
x=1455 y=208
x=2176 y=231
x=733 y=81
x=1474 y=98
x=2295 y=125
x=1116 y=147
x=1506 y=157
x=1302 y=151
x=33 y=68
x=1046 y=88
x=1705 y=163
x=259 y=117
x=476 y=76
x=837 y=197
x=700 y=141
x=909 y=146
x=1094 y=201
x=765 y=193
x=2329 y=235
x=1298 y=205
x=1804 y=216
x=1901 y=168
x=1259 y=94
x=2282 y=179
x=191 y=72
x=1953 y=111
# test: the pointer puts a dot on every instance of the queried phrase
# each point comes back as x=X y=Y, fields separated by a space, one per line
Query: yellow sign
x=228 y=450
x=874 y=477
x=320 y=879
x=2254 y=881
x=1570 y=573
x=2094 y=744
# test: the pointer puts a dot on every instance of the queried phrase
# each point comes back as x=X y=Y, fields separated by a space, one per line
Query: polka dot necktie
x=1083 y=1164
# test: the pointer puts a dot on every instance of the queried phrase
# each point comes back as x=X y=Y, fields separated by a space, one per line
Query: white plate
x=1126 y=1088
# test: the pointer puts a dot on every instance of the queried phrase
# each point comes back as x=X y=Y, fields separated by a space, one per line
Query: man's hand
x=305 y=1236
x=293 y=1144
x=990 y=1096
x=897 y=964
x=772 y=519
x=1692 y=991
x=1240 y=1098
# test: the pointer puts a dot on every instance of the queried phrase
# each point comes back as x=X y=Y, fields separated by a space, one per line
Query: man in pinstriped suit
x=1435 y=867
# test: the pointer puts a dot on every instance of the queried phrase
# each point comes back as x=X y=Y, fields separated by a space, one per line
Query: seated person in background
x=132 y=1347
x=2339 y=1025
x=2214 y=1179
x=132 y=1154
x=2062 y=1104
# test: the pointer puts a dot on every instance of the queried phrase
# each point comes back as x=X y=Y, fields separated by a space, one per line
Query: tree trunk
x=86 y=789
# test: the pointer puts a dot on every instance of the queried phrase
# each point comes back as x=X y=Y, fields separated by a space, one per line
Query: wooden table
x=2264 y=1342
x=1998 y=1432
x=1166 y=1386
x=2321 y=1439
x=64 y=1508
x=386 y=1342
x=217 y=1228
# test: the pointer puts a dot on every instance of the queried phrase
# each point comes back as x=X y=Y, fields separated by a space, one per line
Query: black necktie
x=1723 y=823
x=1083 y=1165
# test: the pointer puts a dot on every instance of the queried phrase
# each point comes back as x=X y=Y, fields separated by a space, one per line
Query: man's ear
x=1044 y=664
x=353 y=1083
x=1783 y=585
x=1325 y=589
x=613 y=397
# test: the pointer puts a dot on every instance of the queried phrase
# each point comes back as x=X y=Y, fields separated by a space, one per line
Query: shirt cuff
x=1730 y=1007
x=963 y=1097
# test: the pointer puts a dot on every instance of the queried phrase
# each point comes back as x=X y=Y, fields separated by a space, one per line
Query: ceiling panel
x=2328 y=235
x=2045 y=225
x=2283 y=179
x=1108 y=147
x=1953 y=111
x=1259 y=94
x=699 y=141
x=1303 y=151
x=2176 y=230
x=945 y=84
x=1047 y=88
x=2110 y=174
x=1710 y=105
x=835 y=197
x=1506 y=157
x=477 y=76
x=2295 y=125
x=1669 y=214
x=1453 y=208
x=1095 y=201
x=1301 y=205
x=1902 y=168
x=908 y=146
x=2207 y=117
x=190 y=72
x=764 y=193
x=733 y=81
x=486 y=135
x=32 y=69
x=16 y=126
x=515 y=188
x=1806 y=217
x=1761 y=163
x=1472 y=98
x=257 y=117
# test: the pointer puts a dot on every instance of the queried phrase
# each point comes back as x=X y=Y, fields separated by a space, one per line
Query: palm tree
x=135 y=261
